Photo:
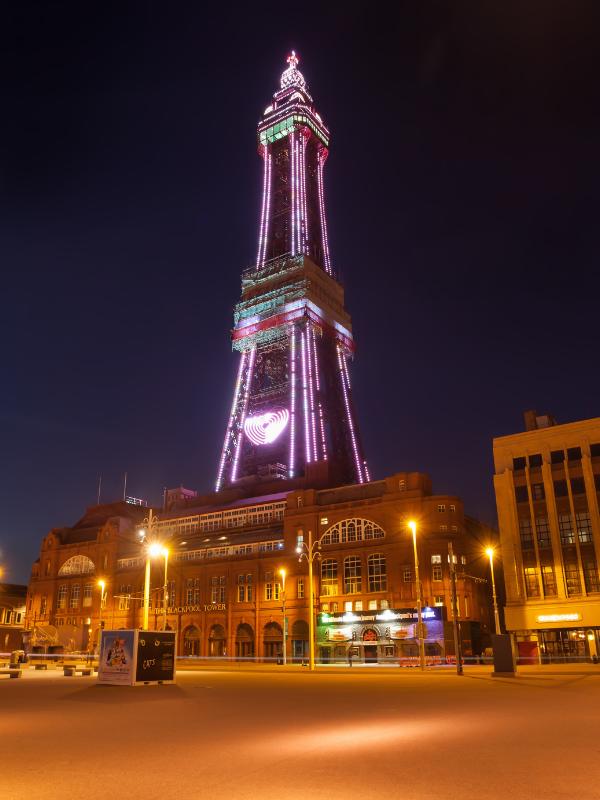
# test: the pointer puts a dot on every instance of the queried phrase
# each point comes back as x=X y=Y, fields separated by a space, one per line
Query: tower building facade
x=292 y=403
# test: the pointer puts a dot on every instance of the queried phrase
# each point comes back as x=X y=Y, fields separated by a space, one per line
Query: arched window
x=329 y=575
x=244 y=641
x=77 y=565
x=352 y=530
x=377 y=572
x=216 y=641
x=191 y=641
x=352 y=575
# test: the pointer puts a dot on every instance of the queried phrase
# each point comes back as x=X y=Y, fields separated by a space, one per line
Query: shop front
x=379 y=637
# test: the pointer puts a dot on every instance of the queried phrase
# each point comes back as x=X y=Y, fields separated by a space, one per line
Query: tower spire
x=292 y=404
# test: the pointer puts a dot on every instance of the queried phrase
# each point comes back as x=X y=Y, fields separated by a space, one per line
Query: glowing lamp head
x=156 y=549
x=101 y=584
x=413 y=527
x=283 y=572
x=489 y=551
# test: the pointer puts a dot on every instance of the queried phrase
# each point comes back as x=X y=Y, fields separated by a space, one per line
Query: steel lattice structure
x=292 y=403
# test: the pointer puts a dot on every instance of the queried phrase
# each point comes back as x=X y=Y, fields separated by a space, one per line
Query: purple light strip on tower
x=346 y=373
x=297 y=195
x=267 y=209
x=238 y=446
x=304 y=214
x=293 y=193
x=349 y=417
x=261 y=233
x=321 y=421
x=231 y=418
x=323 y=221
x=292 y=401
x=307 y=444
x=311 y=394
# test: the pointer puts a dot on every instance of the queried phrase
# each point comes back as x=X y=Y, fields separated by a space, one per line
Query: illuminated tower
x=292 y=404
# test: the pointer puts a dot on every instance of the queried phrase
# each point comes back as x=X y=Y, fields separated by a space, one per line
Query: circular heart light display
x=265 y=428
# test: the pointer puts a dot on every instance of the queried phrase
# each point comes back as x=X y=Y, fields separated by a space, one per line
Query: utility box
x=504 y=657
x=135 y=658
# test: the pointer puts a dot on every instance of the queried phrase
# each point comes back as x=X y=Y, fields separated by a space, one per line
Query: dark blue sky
x=462 y=200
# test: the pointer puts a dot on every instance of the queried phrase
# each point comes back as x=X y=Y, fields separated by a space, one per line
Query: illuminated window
x=531 y=582
x=329 y=576
x=572 y=578
x=352 y=530
x=402 y=485
x=383 y=603
x=348 y=605
x=436 y=572
x=377 y=568
x=441 y=508
x=543 y=531
x=453 y=508
x=436 y=559
x=372 y=605
x=276 y=590
x=77 y=565
x=358 y=606
x=443 y=528
x=43 y=604
x=249 y=588
x=62 y=596
x=548 y=580
x=407 y=575
x=584 y=527
x=526 y=533
x=590 y=575
x=566 y=529
x=537 y=491
x=324 y=606
x=87 y=594
x=124 y=597
x=300 y=588
x=75 y=594
x=241 y=593
x=217 y=589
x=438 y=600
x=352 y=575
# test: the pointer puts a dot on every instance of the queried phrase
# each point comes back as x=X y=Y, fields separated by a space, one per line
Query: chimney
x=533 y=421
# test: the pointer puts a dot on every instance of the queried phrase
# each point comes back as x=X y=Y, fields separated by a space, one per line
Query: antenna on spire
x=293 y=60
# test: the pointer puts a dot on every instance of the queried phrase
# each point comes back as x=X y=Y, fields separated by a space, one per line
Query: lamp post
x=310 y=551
x=102 y=586
x=490 y=554
x=283 y=573
x=165 y=553
x=413 y=527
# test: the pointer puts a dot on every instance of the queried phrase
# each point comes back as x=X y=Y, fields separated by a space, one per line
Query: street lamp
x=490 y=554
x=283 y=573
x=310 y=551
x=413 y=526
x=102 y=586
x=154 y=550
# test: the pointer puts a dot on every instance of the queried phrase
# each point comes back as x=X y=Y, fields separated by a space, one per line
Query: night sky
x=462 y=202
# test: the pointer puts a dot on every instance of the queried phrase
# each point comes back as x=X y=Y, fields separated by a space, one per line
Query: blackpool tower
x=292 y=404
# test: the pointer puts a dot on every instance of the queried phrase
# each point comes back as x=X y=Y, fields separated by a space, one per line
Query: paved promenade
x=272 y=732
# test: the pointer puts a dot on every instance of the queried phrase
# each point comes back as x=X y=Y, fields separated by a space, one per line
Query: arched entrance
x=244 y=641
x=300 y=640
x=191 y=641
x=273 y=640
x=216 y=641
x=370 y=637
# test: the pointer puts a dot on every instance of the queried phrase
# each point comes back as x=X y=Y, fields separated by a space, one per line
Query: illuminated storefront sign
x=265 y=428
x=192 y=609
x=558 y=617
x=387 y=615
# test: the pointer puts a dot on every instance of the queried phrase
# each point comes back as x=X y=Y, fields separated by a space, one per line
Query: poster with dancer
x=117 y=664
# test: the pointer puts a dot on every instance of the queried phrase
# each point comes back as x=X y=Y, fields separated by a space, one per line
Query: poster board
x=134 y=658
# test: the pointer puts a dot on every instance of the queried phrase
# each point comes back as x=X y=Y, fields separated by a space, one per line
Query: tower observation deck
x=292 y=404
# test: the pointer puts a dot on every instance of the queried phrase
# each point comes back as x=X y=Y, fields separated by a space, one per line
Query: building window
x=276 y=590
x=594 y=450
x=75 y=594
x=372 y=605
x=124 y=597
x=87 y=594
x=584 y=527
x=358 y=606
x=377 y=572
x=436 y=559
x=43 y=604
x=348 y=605
x=441 y=508
x=352 y=575
x=402 y=485
x=526 y=534
x=466 y=606
x=543 y=531
x=452 y=508
x=217 y=589
x=577 y=485
x=329 y=576
x=572 y=578
x=300 y=588
x=437 y=572
x=590 y=575
x=521 y=495
x=334 y=608
x=249 y=588
x=531 y=582
x=77 y=565
x=535 y=460
x=566 y=529
x=443 y=528
x=62 y=596
x=383 y=603
x=172 y=591
x=241 y=593
x=352 y=530
x=519 y=463
x=438 y=600
x=324 y=606
x=548 y=581
x=574 y=453
x=407 y=575
x=537 y=491
x=560 y=489
x=557 y=456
